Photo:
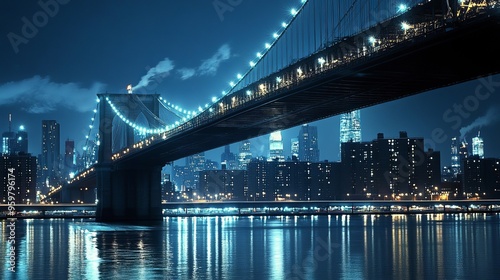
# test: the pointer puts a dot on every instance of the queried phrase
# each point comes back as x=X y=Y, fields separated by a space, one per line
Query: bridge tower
x=126 y=193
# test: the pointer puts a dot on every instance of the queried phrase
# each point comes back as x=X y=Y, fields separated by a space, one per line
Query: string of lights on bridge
x=186 y=115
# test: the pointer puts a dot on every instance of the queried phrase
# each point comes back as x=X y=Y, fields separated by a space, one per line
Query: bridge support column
x=129 y=194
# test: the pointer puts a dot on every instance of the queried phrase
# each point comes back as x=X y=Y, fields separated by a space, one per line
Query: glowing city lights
x=321 y=61
x=405 y=26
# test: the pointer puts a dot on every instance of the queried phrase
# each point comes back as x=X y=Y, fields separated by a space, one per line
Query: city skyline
x=36 y=83
x=260 y=150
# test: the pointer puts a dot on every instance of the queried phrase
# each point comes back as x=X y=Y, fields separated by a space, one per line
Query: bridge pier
x=128 y=194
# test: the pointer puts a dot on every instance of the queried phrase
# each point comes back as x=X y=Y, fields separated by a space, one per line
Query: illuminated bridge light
x=252 y=64
x=231 y=84
x=405 y=26
x=402 y=8
x=321 y=61
x=284 y=25
x=249 y=92
x=299 y=71
x=239 y=76
x=276 y=35
x=293 y=12
x=259 y=55
x=372 y=40
x=267 y=45
x=278 y=79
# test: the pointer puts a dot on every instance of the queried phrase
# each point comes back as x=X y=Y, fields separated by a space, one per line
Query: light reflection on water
x=420 y=246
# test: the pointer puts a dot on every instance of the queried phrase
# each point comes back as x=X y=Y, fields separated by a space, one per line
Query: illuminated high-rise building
x=463 y=154
x=196 y=163
x=8 y=142
x=350 y=127
x=455 y=161
x=276 y=146
x=51 y=153
x=308 y=143
x=477 y=146
x=389 y=168
x=228 y=159
x=295 y=148
x=22 y=140
x=14 y=143
x=22 y=167
x=245 y=154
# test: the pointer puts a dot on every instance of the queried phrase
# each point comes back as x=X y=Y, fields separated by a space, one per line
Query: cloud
x=156 y=74
x=40 y=95
x=186 y=73
x=490 y=117
x=208 y=66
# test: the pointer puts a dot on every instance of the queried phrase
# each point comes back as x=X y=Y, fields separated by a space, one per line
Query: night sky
x=81 y=48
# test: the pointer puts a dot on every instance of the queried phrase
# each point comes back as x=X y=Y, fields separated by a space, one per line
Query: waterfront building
x=395 y=168
x=18 y=171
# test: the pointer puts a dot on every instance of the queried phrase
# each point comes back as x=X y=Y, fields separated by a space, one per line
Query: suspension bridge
x=330 y=57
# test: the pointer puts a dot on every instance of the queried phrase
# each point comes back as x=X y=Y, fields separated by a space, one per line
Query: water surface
x=416 y=246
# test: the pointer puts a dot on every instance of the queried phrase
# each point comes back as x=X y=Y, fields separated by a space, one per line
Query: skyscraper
x=23 y=167
x=295 y=148
x=463 y=154
x=50 y=156
x=389 y=168
x=455 y=162
x=22 y=140
x=308 y=143
x=8 y=142
x=228 y=158
x=196 y=163
x=276 y=146
x=245 y=154
x=14 y=143
x=477 y=146
x=350 y=127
